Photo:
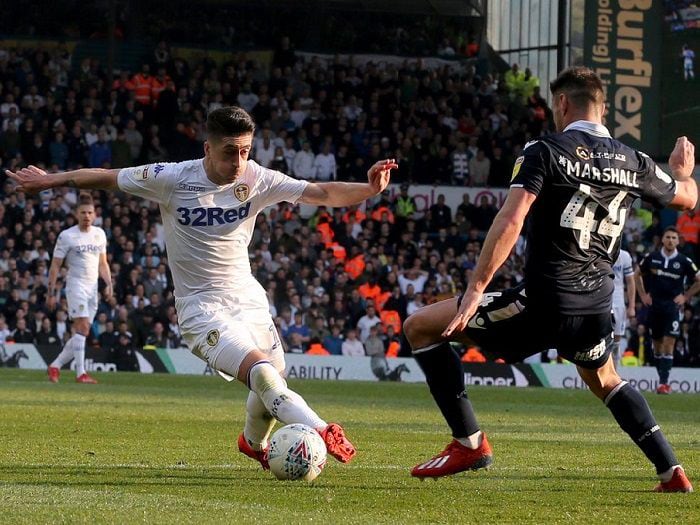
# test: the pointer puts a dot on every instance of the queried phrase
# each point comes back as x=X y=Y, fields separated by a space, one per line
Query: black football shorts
x=504 y=327
x=664 y=319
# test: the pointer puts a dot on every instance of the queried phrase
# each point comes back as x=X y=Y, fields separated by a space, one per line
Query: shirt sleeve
x=103 y=248
x=281 y=188
x=657 y=186
x=154 y=182
x=62 y=248
x=627 y=268
x=644 y=263
x=530 y=168
x=691 y=269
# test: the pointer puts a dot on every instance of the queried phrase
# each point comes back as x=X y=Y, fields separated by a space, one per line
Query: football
x=297 y=452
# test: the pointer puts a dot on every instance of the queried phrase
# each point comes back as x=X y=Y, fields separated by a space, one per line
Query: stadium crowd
x=339 y=281
x=217 y=25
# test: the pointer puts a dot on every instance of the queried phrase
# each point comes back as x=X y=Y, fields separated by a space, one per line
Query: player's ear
x=207 y=148
x=563 y=103
x=604 y=112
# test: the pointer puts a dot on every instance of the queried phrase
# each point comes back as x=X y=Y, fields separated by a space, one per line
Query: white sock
x=79 y=353
x=666 y=476
x=65 y=356
x=473 y=440
x=284 y=404
x=258 y=422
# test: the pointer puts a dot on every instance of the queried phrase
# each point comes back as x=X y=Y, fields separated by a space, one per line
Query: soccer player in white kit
x=624 y=277
x=84 y=249
x=209 y=208
x=688 y=56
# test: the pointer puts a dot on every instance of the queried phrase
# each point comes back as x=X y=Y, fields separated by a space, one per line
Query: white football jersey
x=688 y=57
x=208 y=227
x=622 y=268
x=81 y=251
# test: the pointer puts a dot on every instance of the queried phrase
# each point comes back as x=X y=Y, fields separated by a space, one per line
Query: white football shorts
x=620 y=318
x=82 y=301
x=224 y=330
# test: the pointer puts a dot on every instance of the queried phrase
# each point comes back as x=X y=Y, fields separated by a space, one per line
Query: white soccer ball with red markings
x=297 y=452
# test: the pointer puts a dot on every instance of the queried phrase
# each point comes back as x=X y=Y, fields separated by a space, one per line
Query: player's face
x=229 y=156
x=670 y=241
x=86 y=215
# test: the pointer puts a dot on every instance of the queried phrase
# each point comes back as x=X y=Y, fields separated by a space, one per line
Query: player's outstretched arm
x=682 y=163
x=34 y=180
x=336 y=194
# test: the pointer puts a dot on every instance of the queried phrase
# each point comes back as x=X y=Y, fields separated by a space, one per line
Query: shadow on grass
x=146 y=476
x=133 y=474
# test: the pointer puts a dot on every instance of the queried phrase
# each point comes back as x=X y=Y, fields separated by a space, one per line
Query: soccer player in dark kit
x=575 y=188
x=661 y=280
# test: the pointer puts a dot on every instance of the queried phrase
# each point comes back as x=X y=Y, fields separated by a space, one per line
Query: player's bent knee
x=249 y=361
x=414 y=330
x=410 y=328
x=82 y=326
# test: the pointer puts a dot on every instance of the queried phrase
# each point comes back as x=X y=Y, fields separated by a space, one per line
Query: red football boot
x=679 y=482
x=54 y=373
x=258 y=455
x=86 y=379
x=337 y=444
x=455 y=458
x=663 y=389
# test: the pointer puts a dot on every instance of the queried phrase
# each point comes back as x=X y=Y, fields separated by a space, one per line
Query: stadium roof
x=439 y=7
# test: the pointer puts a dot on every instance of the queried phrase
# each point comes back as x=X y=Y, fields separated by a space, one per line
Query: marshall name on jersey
x=585 y=182
x=208 y=227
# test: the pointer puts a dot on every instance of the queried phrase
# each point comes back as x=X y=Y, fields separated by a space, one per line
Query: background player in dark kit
x=661 y=280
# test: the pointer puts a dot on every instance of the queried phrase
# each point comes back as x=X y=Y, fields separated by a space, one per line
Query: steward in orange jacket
x=473 y=355
x=317 y=349
x=355 y=266
x=370 y=290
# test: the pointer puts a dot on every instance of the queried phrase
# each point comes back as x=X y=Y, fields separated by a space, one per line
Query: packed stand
x=339 y=281
x=336 y=28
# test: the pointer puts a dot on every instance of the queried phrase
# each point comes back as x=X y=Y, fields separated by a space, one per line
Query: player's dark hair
x=85 y=199
x=671 y=229
x=580 y=84
x=229 y=121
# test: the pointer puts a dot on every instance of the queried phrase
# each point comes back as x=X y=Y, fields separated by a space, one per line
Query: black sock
x=665 y=368
x=634 y=416
x=445 y=377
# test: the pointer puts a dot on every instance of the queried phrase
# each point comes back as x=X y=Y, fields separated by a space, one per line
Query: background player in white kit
x=688 y=56
x=209 y=208
x=624 y=282
x=84 y=249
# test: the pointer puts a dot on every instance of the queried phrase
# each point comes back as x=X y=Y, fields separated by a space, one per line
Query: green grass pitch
x=161 y=449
